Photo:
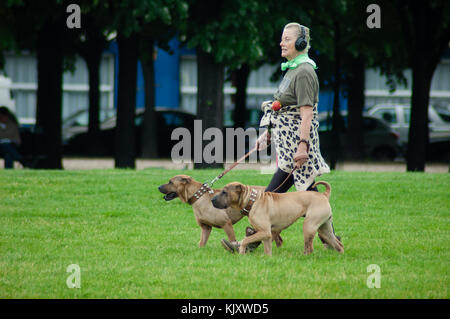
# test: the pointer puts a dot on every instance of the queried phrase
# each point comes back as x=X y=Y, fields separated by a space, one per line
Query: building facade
x=176 y=84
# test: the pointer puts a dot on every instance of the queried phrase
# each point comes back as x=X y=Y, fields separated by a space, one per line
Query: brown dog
x=206 y=215
x=273 y=212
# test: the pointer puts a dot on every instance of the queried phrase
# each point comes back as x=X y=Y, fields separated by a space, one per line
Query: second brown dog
x=273 y=212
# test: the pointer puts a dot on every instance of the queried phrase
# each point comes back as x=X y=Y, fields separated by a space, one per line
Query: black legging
x=279 y=177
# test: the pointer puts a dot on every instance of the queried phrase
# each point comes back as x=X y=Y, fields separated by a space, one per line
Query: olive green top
x=299 y=87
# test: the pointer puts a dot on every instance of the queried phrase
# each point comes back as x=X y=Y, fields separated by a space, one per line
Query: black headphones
x=300 y=43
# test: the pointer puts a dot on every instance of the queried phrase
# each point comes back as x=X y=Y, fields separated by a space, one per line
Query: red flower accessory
x=276 y=105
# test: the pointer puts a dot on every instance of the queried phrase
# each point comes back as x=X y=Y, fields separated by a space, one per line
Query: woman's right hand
x=301 y=156
x=263 y=141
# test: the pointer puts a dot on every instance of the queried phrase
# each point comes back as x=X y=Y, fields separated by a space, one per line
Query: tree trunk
x=355 y=137
x=149 y=140
x=209 y=102
x=425 y=59
x=240 y=79
x=91 y=51
x=418 y=128
x=49 y=93
x=336 y=121
x=124 y=139
x=93 y=63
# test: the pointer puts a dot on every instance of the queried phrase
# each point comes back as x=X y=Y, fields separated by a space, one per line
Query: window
x=259 y=88
x=444 y=115
x=22 y=69
x=406 y=114
x=387 y=114
x=377 y=91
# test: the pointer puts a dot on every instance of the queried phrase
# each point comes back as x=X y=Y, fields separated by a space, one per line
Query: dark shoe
x=234 y=247
x=231 y=247
x=325 y=244
x=252 y=246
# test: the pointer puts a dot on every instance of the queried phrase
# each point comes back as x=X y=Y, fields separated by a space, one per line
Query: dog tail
x=327 y=192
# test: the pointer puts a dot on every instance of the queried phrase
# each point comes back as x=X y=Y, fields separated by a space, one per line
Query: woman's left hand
x=301 y=156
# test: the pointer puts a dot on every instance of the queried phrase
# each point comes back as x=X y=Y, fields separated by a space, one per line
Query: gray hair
x=298 y=26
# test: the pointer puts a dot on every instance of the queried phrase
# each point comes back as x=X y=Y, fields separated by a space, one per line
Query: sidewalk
x=81 y=163
x=103 y=163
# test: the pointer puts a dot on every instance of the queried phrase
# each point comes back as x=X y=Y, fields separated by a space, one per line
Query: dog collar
x=246 y=210
x=199 y=193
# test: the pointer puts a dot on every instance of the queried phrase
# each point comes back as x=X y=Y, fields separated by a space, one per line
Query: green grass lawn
x=130 y=243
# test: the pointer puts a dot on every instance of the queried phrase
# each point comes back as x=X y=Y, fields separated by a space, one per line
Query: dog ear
x=184 y=194
x=186 y=180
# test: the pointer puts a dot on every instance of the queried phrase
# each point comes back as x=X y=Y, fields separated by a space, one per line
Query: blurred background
x=114 y=78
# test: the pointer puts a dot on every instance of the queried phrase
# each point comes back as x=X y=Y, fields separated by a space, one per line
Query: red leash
x=284 y=180
x=233 y=166
x=208 y=187
x=239 y=161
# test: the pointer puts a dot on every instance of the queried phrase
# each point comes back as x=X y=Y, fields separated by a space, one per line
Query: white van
x=5 y=94
x=398 y=116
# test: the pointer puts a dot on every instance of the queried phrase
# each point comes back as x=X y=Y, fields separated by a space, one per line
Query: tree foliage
x=242 y=35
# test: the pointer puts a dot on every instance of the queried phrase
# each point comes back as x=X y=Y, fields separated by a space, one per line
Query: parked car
x=398 y=117
x=71 y=125
x=78 y=122
x=167 y=120
x=380 y=141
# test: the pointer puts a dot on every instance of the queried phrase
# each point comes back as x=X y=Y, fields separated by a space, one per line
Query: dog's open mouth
x=170 y=196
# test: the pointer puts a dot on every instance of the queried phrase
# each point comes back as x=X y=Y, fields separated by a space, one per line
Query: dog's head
x=176 y=187
x=230 y=196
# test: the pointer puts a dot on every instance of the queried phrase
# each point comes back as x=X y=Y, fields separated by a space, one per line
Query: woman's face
x=287 y=43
